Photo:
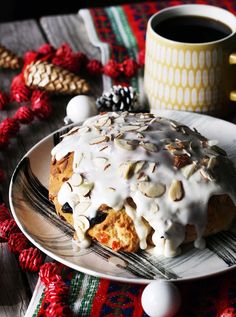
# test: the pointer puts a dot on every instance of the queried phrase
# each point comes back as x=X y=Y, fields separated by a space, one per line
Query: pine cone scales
x=52 y=78
x=8 y=59
x=118 y=98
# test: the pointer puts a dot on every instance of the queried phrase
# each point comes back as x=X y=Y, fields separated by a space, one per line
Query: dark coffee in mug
x=192 y=29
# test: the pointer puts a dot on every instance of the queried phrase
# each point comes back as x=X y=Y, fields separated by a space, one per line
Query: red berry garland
x=56 y=291
x=19 y=91
x=7 y=227
x=9 y=127
x=46 y=49
x=112 y=69
x=41 y=105
x=94 y=67
x=49 y=272
x=65 y=57
x=129 y=67
x=58 y=310
x=24 y=115
x=17 y=242
x=31 y=259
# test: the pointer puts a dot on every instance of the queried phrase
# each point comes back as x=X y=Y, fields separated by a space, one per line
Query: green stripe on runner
x=75 y=286
x=39 y=305
x=131 y=38
x=114 y=26
x=91 y=290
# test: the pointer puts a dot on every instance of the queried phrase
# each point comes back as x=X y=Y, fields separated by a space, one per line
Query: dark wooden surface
x=16 y=287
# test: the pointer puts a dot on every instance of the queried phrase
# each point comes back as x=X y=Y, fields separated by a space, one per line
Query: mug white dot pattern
x=187 y=79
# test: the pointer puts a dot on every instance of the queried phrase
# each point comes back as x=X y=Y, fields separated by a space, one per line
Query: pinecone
x=118 y=98
x=8 y=59
x=52 y=78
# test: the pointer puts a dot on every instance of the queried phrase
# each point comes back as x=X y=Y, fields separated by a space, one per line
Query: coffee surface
x=192 y=29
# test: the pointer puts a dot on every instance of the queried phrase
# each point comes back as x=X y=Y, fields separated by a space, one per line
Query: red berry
x=4 y=141
x=46 y=49
x=24 y=115
x=30 y=57
x=4 y=100
x=58 y=310
x=40 y=104
x=111 y=69
x=17 y=242
x=65 y=57
x=42 y=111
x=94 y=67
x=48 y=272
x=9 y=127
x=129 y=67
x=8 y=227
x=19 y=91
x=31 y=259
x=38 y=96
x=56 y=291
x=141 y=57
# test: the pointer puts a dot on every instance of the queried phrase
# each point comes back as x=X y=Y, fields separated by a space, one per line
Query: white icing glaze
x=133 y=155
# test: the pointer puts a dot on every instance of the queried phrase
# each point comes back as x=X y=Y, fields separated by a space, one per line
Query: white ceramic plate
x=36 y=217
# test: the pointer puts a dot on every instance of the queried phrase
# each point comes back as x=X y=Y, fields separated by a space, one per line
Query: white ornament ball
x=80 y=108
x=161 y=299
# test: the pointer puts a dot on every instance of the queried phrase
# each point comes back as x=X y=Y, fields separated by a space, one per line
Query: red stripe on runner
x=99 y=298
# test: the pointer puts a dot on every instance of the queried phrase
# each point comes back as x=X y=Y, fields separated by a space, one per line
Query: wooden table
x=16 y=287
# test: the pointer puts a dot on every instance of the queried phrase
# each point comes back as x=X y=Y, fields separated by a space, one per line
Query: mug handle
x=232 y=60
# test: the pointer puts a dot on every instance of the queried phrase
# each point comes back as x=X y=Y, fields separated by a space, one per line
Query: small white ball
x=80 y=108
x=161 y=299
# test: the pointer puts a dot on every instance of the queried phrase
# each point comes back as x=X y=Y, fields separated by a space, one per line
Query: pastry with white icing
x=135 y=181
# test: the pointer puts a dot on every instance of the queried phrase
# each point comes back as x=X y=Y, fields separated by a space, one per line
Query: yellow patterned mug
x=187 y=62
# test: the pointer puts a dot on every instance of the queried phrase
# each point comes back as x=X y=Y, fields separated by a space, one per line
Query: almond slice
x=127 y=128
x=151 y=167
x=98 y=140
x=189 y=170
x=72 y=131
x=154 y=208
x=151 y=190
x=127 y=169
x=76 y=179
x=128 y=145
x=181 y=160
x=142 y=177
x=212 y=162
x=176 y=191
x=150 y=147
x=138 y=166
x=85 y=188
x=81 y=208
x=141 y=129
x=104 y=121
